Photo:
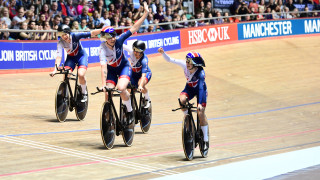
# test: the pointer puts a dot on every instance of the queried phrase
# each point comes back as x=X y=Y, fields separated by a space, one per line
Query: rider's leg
x=145 y=92
x=203 y=121
x=183 y=99
x=82 y=79
x=125 y=96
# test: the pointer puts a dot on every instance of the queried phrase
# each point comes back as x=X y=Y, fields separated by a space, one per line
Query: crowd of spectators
x=93 y=14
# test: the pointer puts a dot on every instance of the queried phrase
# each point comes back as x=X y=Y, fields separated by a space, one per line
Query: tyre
x=146 y=117
x=81 y=107
x=62 y=101
x=188 y=137
x=107 y=125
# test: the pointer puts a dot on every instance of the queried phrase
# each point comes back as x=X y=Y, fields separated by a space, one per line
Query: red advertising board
x=208 y=35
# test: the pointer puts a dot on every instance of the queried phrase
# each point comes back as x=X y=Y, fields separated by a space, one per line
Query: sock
x=146 y=96
x=84 y=89
x=128 y=105
x=205 y=132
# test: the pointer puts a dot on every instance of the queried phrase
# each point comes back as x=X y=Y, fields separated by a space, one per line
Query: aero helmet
x=107 y=33
x=63 y=29
x=195 y=58
x=139 y=46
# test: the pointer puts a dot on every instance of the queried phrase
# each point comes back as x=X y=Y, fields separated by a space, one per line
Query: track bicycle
x=68 y=100
x=192 y=135
x=112 y=123
x=144 y=115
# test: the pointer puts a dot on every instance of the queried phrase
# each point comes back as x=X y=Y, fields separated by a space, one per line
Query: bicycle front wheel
x=146 y=117
x=62 y=101
x=81 y=107
x=107 y=125
x=128 y=129
x=188 y=137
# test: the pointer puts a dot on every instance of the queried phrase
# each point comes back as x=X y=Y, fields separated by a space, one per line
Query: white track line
x=86 y=155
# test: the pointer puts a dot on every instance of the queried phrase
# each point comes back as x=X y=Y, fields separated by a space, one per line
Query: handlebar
x=63 y=70
x=99 y=90
x=188 y=105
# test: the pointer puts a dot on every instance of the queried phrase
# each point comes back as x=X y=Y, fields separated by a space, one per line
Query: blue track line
x=225 y=117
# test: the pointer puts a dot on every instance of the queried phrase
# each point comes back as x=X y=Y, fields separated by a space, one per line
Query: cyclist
x=75 y=54
x=195 y=86
x=141 y=74
x=114 y=64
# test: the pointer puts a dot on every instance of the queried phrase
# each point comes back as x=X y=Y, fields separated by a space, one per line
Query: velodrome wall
x=41 y=54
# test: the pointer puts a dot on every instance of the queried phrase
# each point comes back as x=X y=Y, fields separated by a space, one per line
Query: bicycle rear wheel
x=188 y=137
x=107 y=125
x=81 y=107
x=62 y=101
x=128 y=130
x=146 y=117
x=204 y=152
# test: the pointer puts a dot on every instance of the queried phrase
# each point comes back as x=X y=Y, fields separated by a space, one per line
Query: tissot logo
x=213 y=34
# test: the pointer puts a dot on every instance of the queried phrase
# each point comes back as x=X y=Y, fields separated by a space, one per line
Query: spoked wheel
x=81 y=107
x=128 y=130
x=204 y=152
x=107 y=125
x=146 y=117
x=188 y=137
x=62 y=102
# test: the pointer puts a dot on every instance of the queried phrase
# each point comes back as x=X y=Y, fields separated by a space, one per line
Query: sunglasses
x=137 y=49
x=60 y=34
x=105 y=36
x=189 y=61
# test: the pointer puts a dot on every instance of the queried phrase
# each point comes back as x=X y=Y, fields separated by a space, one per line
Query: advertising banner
x=208 y=35
x=278 y=28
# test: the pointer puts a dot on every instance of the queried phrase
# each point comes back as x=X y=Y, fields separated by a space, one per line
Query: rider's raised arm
x=181 y=63
x=95 y=32
x=137 y=25
x=59 y=55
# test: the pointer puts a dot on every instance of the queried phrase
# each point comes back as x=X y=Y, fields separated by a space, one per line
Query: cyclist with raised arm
x=115 y=67
x=141 y=73
x=195 y=86
x=70 y=42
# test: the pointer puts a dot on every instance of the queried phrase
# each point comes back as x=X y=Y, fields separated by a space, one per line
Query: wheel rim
x=128 y=131
x=81 y=107
x=62 y=102
x=146 y=119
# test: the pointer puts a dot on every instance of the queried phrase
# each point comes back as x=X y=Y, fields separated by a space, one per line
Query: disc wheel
x=62 y=102
x=107 y=125
x=146 y=117
x=188 y=137
x=128 y=130
x=81 y=107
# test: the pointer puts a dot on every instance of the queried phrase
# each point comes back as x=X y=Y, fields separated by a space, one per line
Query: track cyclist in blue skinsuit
x=195 y=86
x=75 y=54
x=141 y=73
x=114 y=63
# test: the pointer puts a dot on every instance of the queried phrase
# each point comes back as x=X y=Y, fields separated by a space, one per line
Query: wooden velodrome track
x=263 y=99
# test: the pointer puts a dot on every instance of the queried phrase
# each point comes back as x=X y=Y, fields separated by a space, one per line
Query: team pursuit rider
x=114 y=64
x=141 y=73
x=75 y=54
x=195 y=86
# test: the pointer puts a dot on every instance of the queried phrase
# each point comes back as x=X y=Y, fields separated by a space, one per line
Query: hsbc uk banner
x=278 y=28
x=204 y=35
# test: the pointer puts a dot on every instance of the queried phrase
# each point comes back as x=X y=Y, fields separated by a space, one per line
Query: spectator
x=45 y=11
x=268 y=16
x=219 y=20
x=286 y=13
x=42 y=19
x=159 y=15
x=96 y=20
x=234 y=6
x=155 y=6
x=272 y=5
x=34 y=8
x=30 y=16
x=72 y=10
x=25 y=35
x=19 y=19
x=112 y=10
x=227 y=19
x=253 y=5
x=242 y=10
x=90 y=23
x=262 y=6
x=99 y=7
x=290 y=5
x=83 y=25
x=208 y=9
x=67 y=21
x=5 y=17
x=84 y=14
x=115 y=21
x=62 y=8
x=25 y=3
x=104 y=20
x=3 y=35
x=295 y=13
x=56 y=22
x=275 y=15
x=12 y=9
x=306 y=13
x=54 y=10
x=81 y=5
x=75 y=25
x=260 y=16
